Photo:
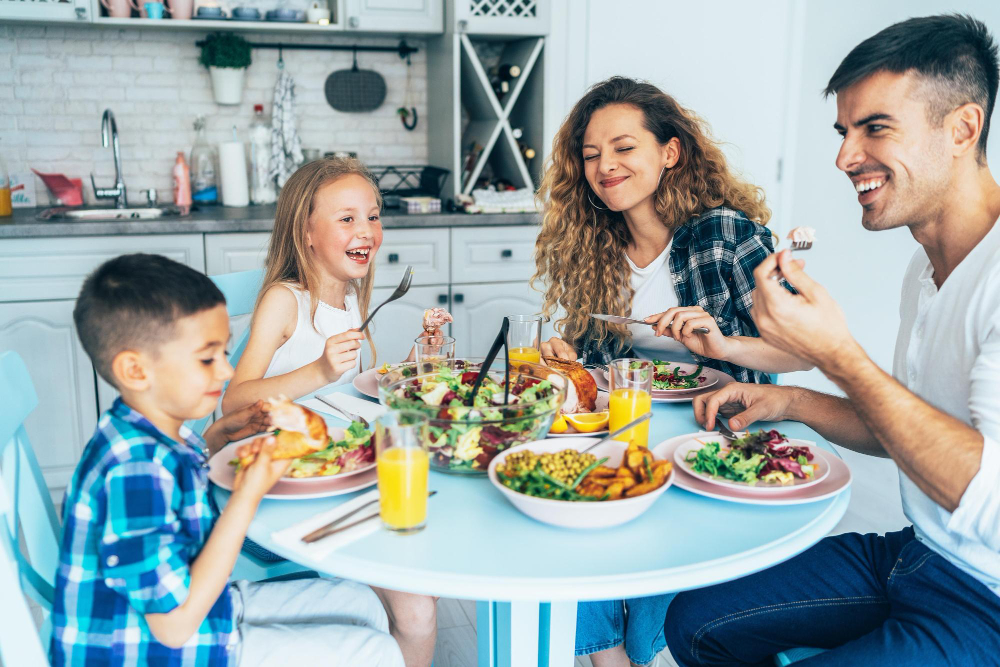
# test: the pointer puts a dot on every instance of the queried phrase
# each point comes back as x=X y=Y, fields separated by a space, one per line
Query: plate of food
x=674 y=377
x=585 y=410
x=761 y=461
x=323 y=458
x=367 y=381
x=713 y=380
x=554 y=482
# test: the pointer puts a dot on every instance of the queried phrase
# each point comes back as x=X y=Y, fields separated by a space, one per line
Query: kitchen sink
x=98 y=214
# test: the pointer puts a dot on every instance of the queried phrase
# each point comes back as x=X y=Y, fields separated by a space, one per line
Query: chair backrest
x=240 y=289
x=29 y=517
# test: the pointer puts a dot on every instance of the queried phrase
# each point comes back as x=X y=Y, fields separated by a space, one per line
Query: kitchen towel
x=233 y=174
x=291 y=538
x=286 y=147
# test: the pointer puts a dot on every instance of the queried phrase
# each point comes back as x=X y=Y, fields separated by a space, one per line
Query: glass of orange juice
x=524 y=338
x=431 y=349
x=631 y=381
x=402 y=466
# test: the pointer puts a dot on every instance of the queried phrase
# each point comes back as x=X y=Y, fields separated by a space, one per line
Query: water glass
x=524 y=338
x=631 y=381
x=432 y=350
x=402 y=465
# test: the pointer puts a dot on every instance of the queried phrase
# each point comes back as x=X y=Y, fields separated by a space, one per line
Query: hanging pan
x=355 y=89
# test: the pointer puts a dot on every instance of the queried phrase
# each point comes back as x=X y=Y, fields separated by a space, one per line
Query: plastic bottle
x=6 y=209
x=182 y=184
x=262 y=187
x=203 y=161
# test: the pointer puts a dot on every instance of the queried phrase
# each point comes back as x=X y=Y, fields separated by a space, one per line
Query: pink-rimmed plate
x=673 y=396
x=292 y=488
x=366 y=382
x=694 y=444
x=836 y=482
x=706 y=378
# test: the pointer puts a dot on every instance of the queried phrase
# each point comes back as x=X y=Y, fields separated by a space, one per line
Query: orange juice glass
x=631 y=381
x=524 y=338
x=402 y=466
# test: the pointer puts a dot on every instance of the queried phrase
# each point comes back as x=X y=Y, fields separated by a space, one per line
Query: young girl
x=304 y=336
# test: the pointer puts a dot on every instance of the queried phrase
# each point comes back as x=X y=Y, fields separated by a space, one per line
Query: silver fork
x=404 y=287
x=796 y=245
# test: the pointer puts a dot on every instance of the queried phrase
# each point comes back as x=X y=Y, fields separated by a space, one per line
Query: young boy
x=146 y=555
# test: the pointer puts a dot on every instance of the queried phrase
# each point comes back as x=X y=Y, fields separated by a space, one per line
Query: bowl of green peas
x=545 y=480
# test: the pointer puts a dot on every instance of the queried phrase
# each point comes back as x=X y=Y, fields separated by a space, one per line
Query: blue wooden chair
x=28 y=516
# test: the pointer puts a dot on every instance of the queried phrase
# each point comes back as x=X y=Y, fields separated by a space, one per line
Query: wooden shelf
x=211 y=24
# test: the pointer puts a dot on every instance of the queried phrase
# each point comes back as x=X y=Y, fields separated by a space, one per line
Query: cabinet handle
x=393 y=258
x=459 y=298
x=353 y=22
x=442 y=299
x=506 y=254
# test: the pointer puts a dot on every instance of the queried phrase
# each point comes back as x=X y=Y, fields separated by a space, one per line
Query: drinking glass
x=524 y=338
x=432 y=349
x=402 y=466
x=631 y=381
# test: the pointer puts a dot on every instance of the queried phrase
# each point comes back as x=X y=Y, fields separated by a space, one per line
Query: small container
x=421 y=204
x=182 y=185
x=6 y=208
x=204 y=167
x=262 y=186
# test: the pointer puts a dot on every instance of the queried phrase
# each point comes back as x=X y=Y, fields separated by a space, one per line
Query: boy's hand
x=237 y=425
x=257 y=478
x=341 y=354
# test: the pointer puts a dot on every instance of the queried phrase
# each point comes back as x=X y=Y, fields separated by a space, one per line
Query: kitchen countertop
x=222 y=219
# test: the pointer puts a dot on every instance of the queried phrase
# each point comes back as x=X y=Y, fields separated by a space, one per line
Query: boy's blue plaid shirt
x=712 y=260
x=137 y=513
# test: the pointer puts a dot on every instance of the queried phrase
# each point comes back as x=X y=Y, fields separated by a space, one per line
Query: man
x=913 y=105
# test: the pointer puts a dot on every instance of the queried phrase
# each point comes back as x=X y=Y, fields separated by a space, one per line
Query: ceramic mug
x=119 y=9
x=181 y=9
x=154 y=10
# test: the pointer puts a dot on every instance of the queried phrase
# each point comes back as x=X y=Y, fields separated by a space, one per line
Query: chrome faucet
x=109 y=127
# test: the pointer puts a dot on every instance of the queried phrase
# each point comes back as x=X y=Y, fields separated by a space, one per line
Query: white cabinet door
x=426 y=250
x=399 y=323
x=395 y=15
x=228 y=253
x=44 y=335
x=493 y=254
x=479 y=310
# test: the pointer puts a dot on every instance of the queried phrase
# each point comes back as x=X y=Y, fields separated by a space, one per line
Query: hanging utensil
x=408 y=110
x=355 y=90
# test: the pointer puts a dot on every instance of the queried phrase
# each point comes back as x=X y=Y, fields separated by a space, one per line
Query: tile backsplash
x=55 y=83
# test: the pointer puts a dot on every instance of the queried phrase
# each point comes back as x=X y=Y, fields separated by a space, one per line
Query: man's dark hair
x=954 y=52
x=133 y=301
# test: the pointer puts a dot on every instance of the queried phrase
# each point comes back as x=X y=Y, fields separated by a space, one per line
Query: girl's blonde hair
x=580 y=252
x=288 y=259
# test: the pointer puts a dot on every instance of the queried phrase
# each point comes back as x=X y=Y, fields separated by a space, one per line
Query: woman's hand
x=243 y=423
x=340 y=354
x=256 y=479
x=557 y=347
x=680 y=322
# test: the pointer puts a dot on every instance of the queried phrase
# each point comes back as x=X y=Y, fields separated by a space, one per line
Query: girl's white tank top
x=306 y=343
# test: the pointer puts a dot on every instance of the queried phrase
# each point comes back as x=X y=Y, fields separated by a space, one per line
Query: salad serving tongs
x=618 y=431
x=404 y=287
x=501 y=340
x=334 y=527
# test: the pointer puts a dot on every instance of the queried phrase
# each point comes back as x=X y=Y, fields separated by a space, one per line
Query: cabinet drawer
x=425 y=249
x=228 y=253
x=493 y=254
x=41 y=269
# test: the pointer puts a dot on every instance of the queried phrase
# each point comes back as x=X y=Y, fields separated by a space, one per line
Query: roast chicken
x=581 y=394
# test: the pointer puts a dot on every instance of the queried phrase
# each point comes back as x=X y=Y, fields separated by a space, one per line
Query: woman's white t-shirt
x=306 y=343
x=654 y=293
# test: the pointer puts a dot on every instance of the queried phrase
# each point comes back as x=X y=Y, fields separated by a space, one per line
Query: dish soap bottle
x=262 y=189
x=203 y=160
x=182 y=184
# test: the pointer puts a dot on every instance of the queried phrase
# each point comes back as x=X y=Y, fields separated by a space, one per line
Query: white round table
x=528 y=576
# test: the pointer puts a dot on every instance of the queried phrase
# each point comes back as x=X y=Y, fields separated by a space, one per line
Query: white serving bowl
x=576 y=514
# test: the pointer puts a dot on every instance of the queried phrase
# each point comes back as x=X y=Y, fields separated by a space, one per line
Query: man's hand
x=809 y=325
x=680 y=322
x=744 y=404
x=557 y=347
x=237 y=425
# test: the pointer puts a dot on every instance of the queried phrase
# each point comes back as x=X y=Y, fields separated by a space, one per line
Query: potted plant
x=227 y=57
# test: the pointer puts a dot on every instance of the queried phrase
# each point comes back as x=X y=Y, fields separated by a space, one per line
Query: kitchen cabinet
x=229 y=253
x=479 y=310
x=409 y=16
x=500 y=17
x=493 y=254
x=399 y=323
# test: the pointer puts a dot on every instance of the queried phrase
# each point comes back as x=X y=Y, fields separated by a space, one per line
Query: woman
x=643 y=218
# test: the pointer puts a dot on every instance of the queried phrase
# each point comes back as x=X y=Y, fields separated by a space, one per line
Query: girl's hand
x=680 y=322
x=243 y=423
x=341 y=354
x=257 y=478
x=557 y=347
x=431 y=337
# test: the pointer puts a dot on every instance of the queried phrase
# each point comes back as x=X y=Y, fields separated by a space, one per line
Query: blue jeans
x=870 y=599
x=637 y=622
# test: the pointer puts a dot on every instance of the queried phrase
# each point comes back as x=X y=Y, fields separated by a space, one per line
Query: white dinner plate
x=720 y=379
x=696 y=443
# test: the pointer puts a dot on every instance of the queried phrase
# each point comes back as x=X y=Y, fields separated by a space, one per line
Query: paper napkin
x=359 y=406
x=291 y=538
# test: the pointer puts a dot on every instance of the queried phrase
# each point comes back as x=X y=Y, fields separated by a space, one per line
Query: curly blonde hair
x=579 y=255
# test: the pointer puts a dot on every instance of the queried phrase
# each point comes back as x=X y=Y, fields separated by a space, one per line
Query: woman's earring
x=662 y=172
x=599 y=208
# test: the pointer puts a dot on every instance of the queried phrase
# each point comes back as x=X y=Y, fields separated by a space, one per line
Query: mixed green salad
x=764 y=456
x=665 y=378
x=354 y=451
x=466 y=435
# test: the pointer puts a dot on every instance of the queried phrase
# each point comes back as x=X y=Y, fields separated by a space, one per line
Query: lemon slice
x=559 y=425
x=589 y=422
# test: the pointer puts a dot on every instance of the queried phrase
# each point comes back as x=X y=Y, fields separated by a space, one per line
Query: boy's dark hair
x=133 y=301
x=954 y=52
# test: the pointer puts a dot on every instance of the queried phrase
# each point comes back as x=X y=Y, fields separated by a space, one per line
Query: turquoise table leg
x=518 y=634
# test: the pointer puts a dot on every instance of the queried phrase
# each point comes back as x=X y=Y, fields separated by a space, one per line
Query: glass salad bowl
x=464 y=438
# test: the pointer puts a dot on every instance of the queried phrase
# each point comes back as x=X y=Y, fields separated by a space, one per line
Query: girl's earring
x=596 y=207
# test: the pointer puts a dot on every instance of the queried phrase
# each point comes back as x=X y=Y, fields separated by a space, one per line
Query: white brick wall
x=55 y=83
